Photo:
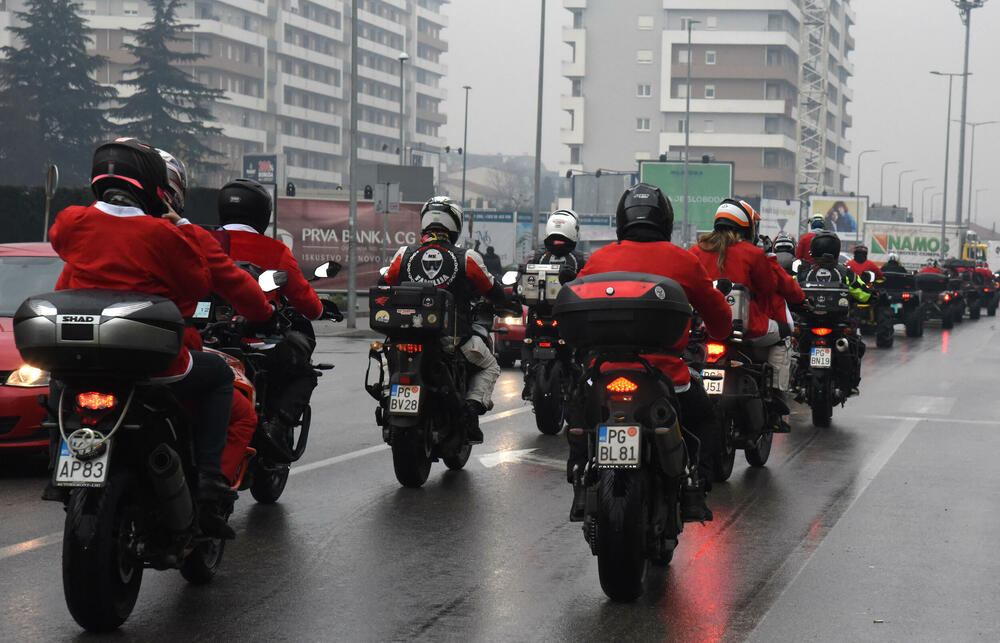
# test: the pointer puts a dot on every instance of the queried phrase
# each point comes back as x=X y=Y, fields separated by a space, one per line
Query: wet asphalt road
x=882 y=527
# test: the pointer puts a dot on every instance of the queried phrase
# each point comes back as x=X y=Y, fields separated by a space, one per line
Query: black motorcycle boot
x=473 y=410
x=215 y=503
x=576 y=510
x=693 y=506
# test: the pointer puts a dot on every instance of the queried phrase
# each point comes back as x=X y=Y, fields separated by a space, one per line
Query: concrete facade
x=628 y=66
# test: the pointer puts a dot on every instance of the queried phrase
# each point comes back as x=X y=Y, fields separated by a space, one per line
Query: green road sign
x=708 y=184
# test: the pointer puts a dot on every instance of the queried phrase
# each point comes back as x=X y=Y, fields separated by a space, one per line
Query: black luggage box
x=827 y=300
x=411 y=309
x=931 y=282
x=99 y=330
x=899 y=281
x=631 y=309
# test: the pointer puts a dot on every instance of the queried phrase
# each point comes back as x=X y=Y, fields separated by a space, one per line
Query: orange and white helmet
x=738 y=216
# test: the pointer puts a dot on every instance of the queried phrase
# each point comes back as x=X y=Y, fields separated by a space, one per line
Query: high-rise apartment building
x=769 y=88
x=284 y=66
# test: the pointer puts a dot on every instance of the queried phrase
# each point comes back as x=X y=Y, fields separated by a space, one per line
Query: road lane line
x=44 y=541
x=782 y=579
x=927 y=418
x=30 y=545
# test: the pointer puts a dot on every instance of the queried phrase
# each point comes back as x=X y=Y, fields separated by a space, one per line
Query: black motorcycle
x=125 y=452
x=422 y=379
x=904 y=301
x=637 y=458
x=875 y=315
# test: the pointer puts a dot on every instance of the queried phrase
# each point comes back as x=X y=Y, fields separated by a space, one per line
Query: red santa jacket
x=246 y=244
x=867 y=264
x=788 y=291
x=748 y=265
x=802 y=250
x=121 y=248
x=666 y=259
x=933 y=269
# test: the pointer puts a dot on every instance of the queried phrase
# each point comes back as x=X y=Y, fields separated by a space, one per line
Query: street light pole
x=465 y=153
x=881 y=185
x=947 y=149
x=538 y=134
x=913 y=187
x=972 y=161
x=687 y=132
x=899 y=186
x=965 y=8
x=352 y=247
x=923 y=198
x=858 y=192
x=403 y=57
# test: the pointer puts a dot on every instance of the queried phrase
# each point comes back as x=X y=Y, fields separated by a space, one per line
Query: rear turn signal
x=822 y=332
x=715 y=351
x=409 y=348
x=96 y=401
x=622 y=385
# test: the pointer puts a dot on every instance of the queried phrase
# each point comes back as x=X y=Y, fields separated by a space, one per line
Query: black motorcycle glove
x=331 y=311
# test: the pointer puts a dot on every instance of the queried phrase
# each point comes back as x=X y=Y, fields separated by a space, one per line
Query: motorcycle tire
x=101 y=579
x=991 y=311
x=821 y=400
x=456 y=461
x=201 y=564
x=546 y=398
x=947 y=320
x=959 y=314
x=915 y=326
x=268 y=483
x=411 y=457
x=975 y=311
x=666 y=552
x=885 y=335
x=724 y=461
x=758 y=454
x=621 y=559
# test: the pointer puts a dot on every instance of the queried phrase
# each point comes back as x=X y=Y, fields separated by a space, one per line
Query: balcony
x=308 y=144
x=724 y=139
x=574 y=4
x=577 y=39
x=574 y=135
x=432 y=117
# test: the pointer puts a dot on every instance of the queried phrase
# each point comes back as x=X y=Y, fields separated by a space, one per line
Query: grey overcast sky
x=899 y=108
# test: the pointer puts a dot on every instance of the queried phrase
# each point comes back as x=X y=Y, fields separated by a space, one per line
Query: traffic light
x=369 y=192
x=290 y=189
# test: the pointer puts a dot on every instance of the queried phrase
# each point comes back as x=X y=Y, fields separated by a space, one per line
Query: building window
x=644 y=90
x=772 y=57
x=682 y=56
x=709 y=91
x=682 y=90
x=89 y=8
x=709 y=57
x=644 y=56
x=712 y=22
x=574 y=155
x=130 y=8
x=709 y=125
x=680 y=127
x=645 y=22
x=642 y=124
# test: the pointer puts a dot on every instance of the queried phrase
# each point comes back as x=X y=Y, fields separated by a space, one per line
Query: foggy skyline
x=898 y=108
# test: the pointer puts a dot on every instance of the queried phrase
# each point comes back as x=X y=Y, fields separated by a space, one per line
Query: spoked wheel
x=725 y=459
x=201 y=564
x=758 y=454
x=457 y=460
x=411 y=456
x=101 y=575
x=621 y=559
x=546 y=397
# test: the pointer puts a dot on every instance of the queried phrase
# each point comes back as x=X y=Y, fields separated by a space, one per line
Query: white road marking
x=928 y=404
x=491 y=460
x=51 y=539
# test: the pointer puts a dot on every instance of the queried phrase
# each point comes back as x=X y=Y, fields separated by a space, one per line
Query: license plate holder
x=821 y=358
x=73 y=472
x=713 y=379
x=404 y=399
x=544 y=352
x=618 y=446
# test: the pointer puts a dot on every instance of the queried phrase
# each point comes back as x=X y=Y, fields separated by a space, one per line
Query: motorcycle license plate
x=821 y=358
x=404 y=400
x=618 y=446
x=544 y=352
x=713 y=380
x=73 y=472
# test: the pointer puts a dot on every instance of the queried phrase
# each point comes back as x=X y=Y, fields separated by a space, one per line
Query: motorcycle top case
x=899 y=281
x=623 y=309
x=540 y=282
x=104 y=330
x=411 y=309
x=827 y=300
x=932 y=281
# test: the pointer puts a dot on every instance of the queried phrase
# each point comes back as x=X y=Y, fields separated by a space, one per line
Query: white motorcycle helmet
x=562 y=231
x=441 y=214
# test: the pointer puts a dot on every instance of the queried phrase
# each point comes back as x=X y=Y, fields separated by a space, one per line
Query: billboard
x=261 y=168
x=708 y=184
x=494 y=229
x=842 y=214
x=780 y=215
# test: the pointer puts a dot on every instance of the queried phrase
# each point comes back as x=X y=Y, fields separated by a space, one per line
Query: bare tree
x=511 y=182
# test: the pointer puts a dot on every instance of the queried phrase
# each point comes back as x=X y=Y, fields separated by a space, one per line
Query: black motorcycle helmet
x=825 y=247
x=128 y=170
x=247 y=202
x=644 y=206
x=861 y=253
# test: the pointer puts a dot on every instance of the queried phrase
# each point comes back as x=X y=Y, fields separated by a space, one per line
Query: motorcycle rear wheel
x=101 y=579
x=621 y=559
x=975 y=311
x=758 y=454
x=457 y=461
x=411 y=459
x=201 y=564
x=821 y=400
x=546 y=398
x=268 y=484
x=915 y=326
x=724 y=461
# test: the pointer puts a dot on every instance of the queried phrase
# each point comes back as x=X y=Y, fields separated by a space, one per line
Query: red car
x=507 y=345
x=25 y=269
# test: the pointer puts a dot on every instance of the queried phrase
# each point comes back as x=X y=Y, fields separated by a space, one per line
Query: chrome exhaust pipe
x=842 y=344
x=171 y=488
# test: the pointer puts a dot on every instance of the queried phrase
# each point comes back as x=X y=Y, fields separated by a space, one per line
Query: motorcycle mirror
x=724 y=286
x=326 y=270
x=868 y=276
x=271 y=280
x=509 y=278
x=796 y=265
x=383 y=271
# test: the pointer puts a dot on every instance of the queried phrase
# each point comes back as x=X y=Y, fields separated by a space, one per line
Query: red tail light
x=404 y=379
x=822 y=332
x=555 y=322
x=947 y=297
x=539 y=322
x=409 y=348
x=907 y=296
x=715 y=351
x=622 y=385
x=545 y=344
x=96 y=401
